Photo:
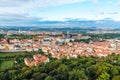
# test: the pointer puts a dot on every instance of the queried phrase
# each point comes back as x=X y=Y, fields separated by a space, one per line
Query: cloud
x=108 y=13
x=19 y=10
x=95 y=1
x=113 y=13
x=18 y=20
x=15 y=6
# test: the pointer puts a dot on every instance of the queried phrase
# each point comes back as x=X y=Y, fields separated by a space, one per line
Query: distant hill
x=71 y=23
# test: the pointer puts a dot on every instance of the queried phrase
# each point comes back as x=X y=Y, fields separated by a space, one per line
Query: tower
x=68 y=34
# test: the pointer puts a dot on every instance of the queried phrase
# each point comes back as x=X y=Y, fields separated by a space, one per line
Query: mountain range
x=71 y=23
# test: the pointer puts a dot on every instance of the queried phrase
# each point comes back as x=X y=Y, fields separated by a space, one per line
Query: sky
x=23 y=12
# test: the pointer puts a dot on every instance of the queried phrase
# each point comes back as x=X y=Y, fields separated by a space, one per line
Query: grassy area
x=7 y=58
x=6 y=64
x=11 y=54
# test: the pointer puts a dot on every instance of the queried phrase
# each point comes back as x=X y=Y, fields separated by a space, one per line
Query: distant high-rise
x=68 y=34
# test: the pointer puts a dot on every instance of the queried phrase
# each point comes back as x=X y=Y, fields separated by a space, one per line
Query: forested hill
x=71 y=23
x=82 y=68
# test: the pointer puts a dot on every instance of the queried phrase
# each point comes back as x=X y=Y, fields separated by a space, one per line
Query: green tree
x=62 y=72
x=114 y=71
x=77 y=75
x=116 y=78
x=104 y=76
x=50 y=78
x=41 y=52
x=3 y=76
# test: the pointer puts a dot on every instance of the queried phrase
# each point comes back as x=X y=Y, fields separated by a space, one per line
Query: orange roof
x=4 y=41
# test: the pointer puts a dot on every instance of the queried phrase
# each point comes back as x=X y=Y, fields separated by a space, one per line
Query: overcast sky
x=21 y=12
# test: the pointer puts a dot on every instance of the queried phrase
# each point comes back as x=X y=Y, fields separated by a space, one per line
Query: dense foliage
x=99 y=37
x=2 y=36
x=82 y=68
x=22 y=36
